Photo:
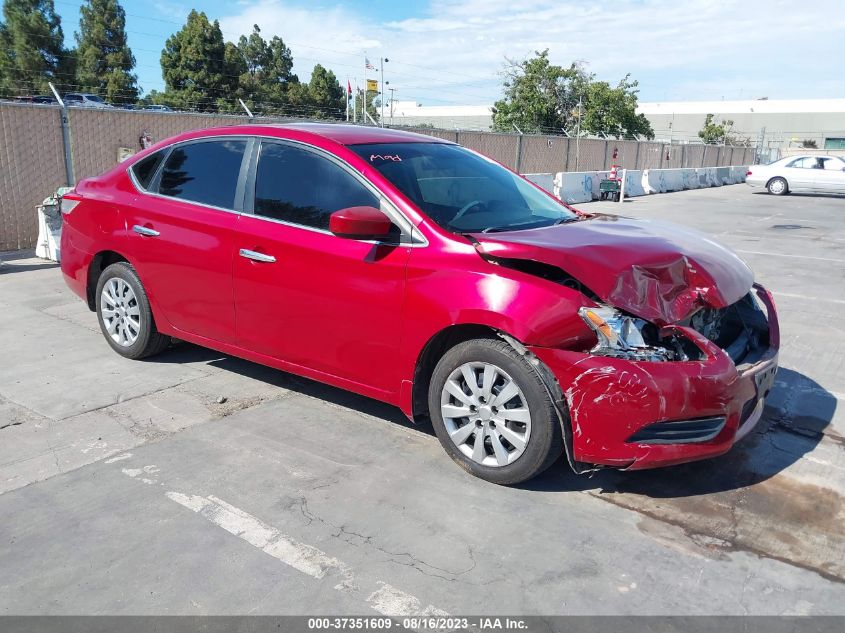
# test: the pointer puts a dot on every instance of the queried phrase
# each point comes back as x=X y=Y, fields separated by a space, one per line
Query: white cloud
x=453 y=51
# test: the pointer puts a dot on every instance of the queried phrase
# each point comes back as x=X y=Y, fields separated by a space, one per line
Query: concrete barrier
x=546 y=181
x=572 y=187
x=583 y=186
x=634 y=183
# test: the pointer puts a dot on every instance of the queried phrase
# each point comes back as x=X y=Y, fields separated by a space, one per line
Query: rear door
x=831 y=178
x=181 y=232
x=304 y=295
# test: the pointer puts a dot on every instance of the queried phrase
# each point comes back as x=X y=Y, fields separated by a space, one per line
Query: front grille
x=679 y=431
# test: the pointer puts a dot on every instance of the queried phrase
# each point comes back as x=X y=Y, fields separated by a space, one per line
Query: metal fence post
x=518 y=154
x=566 y=162
x=637 y=156
x=606 y=148
x=71 y=179
x=683 y=155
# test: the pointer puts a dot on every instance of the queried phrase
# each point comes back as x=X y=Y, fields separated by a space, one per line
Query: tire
x=778 y=186
x=123 y=311
x=531 y=442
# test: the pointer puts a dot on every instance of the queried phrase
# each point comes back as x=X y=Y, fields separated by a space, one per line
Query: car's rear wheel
x=492 y=413
x=777 y=187
x=124 y=313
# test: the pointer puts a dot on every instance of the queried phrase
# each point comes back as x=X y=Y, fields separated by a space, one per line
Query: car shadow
x=797 y=412
x=188 y=353
x=21 y=262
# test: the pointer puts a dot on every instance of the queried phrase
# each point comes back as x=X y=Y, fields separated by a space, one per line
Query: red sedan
x=420 y=273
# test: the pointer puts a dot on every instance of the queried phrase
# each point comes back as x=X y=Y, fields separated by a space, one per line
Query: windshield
x=462 y=191
x=94 y=98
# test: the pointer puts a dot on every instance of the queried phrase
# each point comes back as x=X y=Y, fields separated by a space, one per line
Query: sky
x=453 y=52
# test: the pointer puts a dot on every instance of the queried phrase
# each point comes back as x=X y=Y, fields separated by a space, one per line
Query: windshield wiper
x=565 y=221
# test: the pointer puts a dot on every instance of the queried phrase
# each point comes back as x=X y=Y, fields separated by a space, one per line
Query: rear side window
x=298 y=186
x=145 y=169
x=205 y=172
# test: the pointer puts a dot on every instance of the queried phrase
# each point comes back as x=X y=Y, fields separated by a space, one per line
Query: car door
x=831 y=178
x=181 y=230
x=304 y=295
x=800 y=173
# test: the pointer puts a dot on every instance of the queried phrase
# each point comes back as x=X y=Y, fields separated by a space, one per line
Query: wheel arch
x=99 y=263
x=783 y=178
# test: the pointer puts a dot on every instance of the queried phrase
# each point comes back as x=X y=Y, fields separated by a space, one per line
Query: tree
x=613 y=111
x=715 y=134
x=104 y=61
x=192 y=64
x=326 y=94
x=543 y=97
x=31 y=47
x=267 y=70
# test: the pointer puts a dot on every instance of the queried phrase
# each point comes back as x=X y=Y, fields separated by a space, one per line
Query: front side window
x=462 y=191
x=205 y=172
x=301 y=187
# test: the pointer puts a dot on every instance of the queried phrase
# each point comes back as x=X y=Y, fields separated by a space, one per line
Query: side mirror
x=360 y=223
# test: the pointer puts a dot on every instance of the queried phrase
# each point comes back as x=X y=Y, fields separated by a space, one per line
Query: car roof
x=346 y=134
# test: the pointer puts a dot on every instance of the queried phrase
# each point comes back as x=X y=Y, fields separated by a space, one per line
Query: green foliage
x=192 y=64
x=718 y=134
x=31 y=47
x=613 y=111
x=326 y=94
x=543 y=97
x=809 y=143
x=104 y=62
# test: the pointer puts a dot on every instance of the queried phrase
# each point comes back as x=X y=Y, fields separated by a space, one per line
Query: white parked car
x=812 y=174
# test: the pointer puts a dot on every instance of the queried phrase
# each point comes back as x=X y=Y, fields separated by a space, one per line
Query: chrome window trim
x=418 y=240
x=414 y=237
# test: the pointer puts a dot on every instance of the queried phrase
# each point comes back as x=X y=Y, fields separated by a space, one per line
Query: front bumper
x=610 y=400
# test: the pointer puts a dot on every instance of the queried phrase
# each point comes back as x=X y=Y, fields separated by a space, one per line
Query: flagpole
x=355 y=103
x=347 y=98
x=364 y=106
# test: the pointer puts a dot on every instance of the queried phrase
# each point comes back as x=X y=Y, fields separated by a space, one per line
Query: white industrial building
x=459 y=117
x=774 y=123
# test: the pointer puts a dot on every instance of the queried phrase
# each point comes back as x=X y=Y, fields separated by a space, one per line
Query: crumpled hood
x=658 y=271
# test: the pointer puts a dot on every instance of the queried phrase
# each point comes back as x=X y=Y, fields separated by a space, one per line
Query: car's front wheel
x=124 y=313
x=777 y=187
x=492 y=413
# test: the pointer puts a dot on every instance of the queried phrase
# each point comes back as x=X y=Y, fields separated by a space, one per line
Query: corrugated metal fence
x=32 y=153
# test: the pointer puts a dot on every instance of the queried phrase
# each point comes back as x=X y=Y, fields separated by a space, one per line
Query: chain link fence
x=33 y=165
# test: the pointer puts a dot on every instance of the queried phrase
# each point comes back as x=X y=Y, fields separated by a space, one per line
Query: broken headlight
x=623 y=336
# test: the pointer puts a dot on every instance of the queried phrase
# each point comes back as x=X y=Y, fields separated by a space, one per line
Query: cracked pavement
x=196 y=483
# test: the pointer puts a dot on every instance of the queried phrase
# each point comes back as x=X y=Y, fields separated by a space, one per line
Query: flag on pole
x=348 y=87
x=368 y=65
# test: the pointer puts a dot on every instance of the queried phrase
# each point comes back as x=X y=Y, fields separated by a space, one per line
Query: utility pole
x=578 y=134
x=392 y=90
x=383 y=60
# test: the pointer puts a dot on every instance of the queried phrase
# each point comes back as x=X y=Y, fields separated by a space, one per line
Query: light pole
x=392 y=90
x=384 y=60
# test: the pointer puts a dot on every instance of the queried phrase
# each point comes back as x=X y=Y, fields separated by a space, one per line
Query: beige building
x=777 y=123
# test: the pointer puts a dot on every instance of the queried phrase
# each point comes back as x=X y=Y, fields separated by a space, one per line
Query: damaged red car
x=411 y=270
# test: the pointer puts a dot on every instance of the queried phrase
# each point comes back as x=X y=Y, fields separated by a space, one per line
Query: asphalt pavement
x=196 y=483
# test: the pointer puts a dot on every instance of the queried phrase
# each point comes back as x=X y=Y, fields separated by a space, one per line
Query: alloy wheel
x=486 y=414
x=120 y=312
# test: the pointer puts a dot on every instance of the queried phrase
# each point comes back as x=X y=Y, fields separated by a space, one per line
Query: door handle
x=256 y=256
x=143 y=230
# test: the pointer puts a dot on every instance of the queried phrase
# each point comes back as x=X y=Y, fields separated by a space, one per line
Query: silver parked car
x=812 y=174
x=85 y=100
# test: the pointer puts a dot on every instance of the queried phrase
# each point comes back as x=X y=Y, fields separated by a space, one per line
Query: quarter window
x=145 y=169
x=205 y=172
x=298 y=186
